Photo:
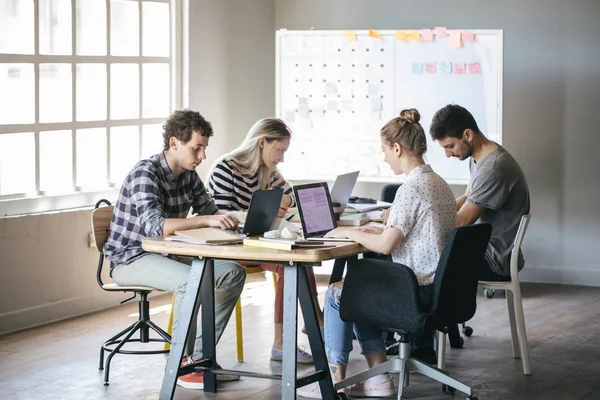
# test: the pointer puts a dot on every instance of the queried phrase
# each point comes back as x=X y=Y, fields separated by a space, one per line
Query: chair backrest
x=514 y=256
x=388 y=192
x=456 y=277
x=101 y=217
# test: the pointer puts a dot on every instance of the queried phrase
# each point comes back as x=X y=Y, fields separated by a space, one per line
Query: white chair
x=514 y=301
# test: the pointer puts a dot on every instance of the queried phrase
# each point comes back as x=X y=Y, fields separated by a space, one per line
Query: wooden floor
x=60 y=361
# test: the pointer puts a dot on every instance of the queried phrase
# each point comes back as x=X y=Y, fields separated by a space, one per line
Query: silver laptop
x=342 y=188
x=316 y=211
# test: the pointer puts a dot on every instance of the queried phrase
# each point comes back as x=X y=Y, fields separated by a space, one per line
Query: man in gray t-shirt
x=497 y=192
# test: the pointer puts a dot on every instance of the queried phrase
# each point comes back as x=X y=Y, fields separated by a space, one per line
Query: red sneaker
x=195 y=380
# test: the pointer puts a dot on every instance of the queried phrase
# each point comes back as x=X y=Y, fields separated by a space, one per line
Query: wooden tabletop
x=240 y=252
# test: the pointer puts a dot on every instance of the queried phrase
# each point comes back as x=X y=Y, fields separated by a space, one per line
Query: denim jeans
x=164 y=273
x=338 y=333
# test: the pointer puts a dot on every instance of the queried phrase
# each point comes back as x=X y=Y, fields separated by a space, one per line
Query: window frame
x=40 y=201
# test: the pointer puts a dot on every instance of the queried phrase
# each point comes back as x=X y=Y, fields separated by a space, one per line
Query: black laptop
x=316 y=211
x=264 y=207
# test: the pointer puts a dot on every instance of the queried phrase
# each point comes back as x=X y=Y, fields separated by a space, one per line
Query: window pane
x=155 y=92
x=91 y=158
x=124 y=91
x=17 y=163
x=124 y=28
x=155 y=29
x=56 y=162
x=55 y=27
x=91 y=92
x=152 y=140
x=16 y=26
x=91 y=27
x=55 y=93
x=124 y=150
x=17 y=94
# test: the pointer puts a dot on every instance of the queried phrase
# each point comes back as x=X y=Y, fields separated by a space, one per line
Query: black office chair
x=388 y=192
x=385 y=294
x=101 y=217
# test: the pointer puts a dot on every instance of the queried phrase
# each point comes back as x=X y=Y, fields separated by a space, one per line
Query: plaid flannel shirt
x=151 y=193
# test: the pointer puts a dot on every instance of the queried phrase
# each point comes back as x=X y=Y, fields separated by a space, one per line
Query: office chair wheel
x=449 y=390
x=489 y=293
x=467 y=331
x=341 y=396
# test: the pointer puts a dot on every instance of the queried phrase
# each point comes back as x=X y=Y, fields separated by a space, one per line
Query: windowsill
x=57 y=203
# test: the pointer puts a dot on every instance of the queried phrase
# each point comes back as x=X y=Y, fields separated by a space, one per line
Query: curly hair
x=181 y=125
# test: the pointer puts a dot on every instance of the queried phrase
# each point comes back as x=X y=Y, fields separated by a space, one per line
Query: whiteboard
x=336 y=94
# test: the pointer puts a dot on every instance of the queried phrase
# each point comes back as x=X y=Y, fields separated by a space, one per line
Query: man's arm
x=462 y=199
x=218 y=220
x=468 y=214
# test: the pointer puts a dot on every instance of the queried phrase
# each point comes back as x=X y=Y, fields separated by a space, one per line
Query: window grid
x=35 y=59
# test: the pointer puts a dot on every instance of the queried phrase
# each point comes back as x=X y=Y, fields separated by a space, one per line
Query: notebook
x=210 y=236
x=316 y=211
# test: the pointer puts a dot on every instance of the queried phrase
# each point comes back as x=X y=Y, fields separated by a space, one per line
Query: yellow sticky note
x=401 y=36
x=455 y=39
x=414 y=35
x=350 y=36
x=374 y=33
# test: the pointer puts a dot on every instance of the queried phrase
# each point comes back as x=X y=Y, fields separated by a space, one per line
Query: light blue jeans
x=164 y=273
x=338 y=333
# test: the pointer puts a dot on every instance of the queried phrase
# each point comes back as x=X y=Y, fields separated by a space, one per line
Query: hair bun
x=410 y=115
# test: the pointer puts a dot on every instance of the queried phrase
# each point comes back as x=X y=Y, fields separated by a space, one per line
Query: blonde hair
x=406 y=131
x=247 y=157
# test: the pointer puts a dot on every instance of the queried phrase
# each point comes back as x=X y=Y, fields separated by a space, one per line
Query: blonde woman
x=250 y=167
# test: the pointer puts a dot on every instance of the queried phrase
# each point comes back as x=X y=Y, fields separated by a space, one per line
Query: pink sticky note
x=455 y=39
x=460 y=68
x=474 y=68
x=427 y=35
x=440 y=31
x=430 y=68
x=468 y=36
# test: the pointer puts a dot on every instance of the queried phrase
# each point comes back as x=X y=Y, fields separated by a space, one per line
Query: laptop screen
x=314 y=206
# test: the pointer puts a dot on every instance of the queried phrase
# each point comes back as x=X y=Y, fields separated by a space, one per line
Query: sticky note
x=290 y=116
x=468 y=37
x=373 y=89
x=430 y=68
x=440 y=31
x=427 y=35
x=460 y=68
x=474 y=68
x=417 y=67
x=446 y=67
x=455 y=39
x=376 y=103
x=374 y=33
x=350 y=36
x=332 y=106
x=401 y=36
x=414 y=35
x=331 y=88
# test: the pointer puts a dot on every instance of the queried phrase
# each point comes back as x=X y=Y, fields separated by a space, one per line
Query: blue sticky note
x=446 y=67
x=417 y=67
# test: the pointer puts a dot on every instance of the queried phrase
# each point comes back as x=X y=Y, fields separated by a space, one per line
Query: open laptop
x=316 y=211
x=342 y=187
x=264 y=207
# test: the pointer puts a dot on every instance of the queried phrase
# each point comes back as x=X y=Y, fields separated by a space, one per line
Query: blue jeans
x=338 y=333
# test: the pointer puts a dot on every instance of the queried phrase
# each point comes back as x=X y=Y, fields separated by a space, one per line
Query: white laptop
x=342 y=187
x=316 y=211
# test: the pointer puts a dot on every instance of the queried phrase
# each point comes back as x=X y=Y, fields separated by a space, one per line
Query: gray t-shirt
x=498 y=184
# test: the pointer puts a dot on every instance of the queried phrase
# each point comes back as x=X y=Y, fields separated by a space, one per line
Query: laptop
x=342 y=188
x=264 y=207
x=316 y=211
